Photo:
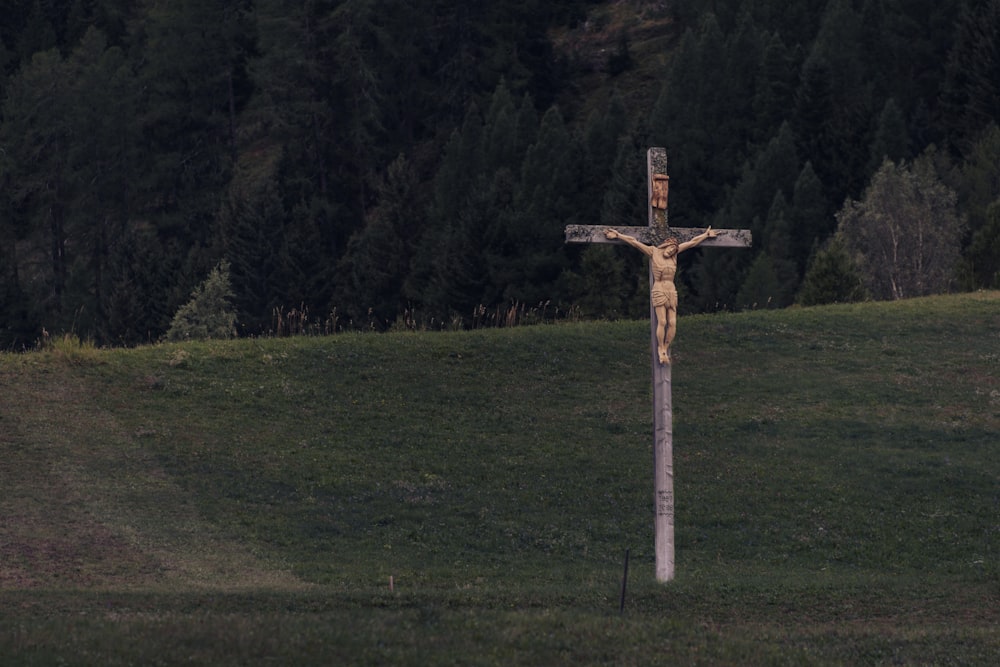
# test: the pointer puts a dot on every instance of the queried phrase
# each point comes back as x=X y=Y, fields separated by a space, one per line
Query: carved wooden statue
x=661 y=188
x=663 y=293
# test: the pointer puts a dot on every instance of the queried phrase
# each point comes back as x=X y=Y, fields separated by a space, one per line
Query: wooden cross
x=653 y=234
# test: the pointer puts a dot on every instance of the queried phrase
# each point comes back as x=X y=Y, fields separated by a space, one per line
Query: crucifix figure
x=663 y=293
x=655 y=241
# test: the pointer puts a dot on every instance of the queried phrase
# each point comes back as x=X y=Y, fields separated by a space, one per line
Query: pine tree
x=971 y=95
x=36 y=133
x=136 y=291
x=979 y=194
x=675 y=122
x=761 y=285
x=624 y=204
x=774 y=89
x=603 y=285
x=68 y=139
x=500 y=142
x=193 y=63
x=209 y=313
x=779 y=247
x=770 y=172
x=773 y=277
x=891 y=140
x=744 y=49
x=545 y=203
x=831 y=278
x=600 y=145
x=839 y=44
x=252 y=225
x=810 y=215
x=377 y=261
x=812 y=120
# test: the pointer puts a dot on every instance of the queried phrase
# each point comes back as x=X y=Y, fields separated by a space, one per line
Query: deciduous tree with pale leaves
x=904 y=235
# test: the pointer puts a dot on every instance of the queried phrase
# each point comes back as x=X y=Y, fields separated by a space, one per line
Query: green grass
x=246 y=502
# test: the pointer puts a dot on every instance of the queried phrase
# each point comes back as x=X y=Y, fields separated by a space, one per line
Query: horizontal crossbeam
x=727 y=238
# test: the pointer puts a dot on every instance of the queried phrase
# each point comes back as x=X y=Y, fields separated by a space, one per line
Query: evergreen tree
x=602 y=287
x=761 y=285
x=377 y=260
x=675 y=123
x=971 y=95
x=208 y=314
x=984 y=250
x=136 y=291
x=104 y=163
x=624 y=201
x=625 y=204
x=774 y=89
x=813 y=105
x=252 y=226
x=779 y=247
x=891 y=140
x=501 y=130
x=770 y=173
x=744 y=50
x=600 y=145
x=773 y=277
x=459 y=174
x=831 y=278
x=460 y=281
x=979 y=192
x=839 y=45
x=810 y=215
x=68 y=139
x=192 y=75
x=545 y=203
x=527 y=126
x=36 y=133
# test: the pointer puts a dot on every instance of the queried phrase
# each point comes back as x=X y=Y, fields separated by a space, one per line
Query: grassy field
x=249 y=502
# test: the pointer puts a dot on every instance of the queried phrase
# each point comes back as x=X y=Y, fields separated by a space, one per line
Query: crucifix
x=661 y=244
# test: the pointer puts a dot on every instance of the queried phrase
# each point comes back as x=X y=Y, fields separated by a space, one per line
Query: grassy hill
x=837 y=483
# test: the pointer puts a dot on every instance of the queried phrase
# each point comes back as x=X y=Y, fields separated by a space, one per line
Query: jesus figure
x=663 y=293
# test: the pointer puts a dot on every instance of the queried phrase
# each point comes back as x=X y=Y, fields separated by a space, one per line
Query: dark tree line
x=371 y=158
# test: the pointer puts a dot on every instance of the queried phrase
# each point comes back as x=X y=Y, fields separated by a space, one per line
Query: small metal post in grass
x=655 y=240
x=621 y=603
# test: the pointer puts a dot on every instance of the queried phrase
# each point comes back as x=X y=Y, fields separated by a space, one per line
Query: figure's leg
x=669 y=336
x=661 y=328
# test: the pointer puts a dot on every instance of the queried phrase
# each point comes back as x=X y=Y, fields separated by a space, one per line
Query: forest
x=412 y=163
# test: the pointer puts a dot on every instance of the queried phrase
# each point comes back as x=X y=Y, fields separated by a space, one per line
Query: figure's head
x=668 y=247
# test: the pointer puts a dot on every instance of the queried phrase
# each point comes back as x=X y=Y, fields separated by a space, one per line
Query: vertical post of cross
x=663 y=432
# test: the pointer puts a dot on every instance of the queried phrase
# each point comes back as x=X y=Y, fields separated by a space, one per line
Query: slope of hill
x=244 y=501
x=641 y=33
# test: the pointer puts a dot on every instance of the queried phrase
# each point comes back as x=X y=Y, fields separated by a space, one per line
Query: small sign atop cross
x=650 y=239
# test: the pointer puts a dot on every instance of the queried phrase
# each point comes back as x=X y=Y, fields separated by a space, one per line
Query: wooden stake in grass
x=621 y=603
x=656 y=238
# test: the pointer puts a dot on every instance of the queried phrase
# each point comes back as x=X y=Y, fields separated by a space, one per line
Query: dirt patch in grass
x=85 y=505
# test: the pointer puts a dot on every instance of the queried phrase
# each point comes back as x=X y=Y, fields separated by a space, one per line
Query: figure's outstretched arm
x=639 y=245
x=709 y=233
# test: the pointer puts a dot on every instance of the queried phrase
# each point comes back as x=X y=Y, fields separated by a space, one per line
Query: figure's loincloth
x=665 y=295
